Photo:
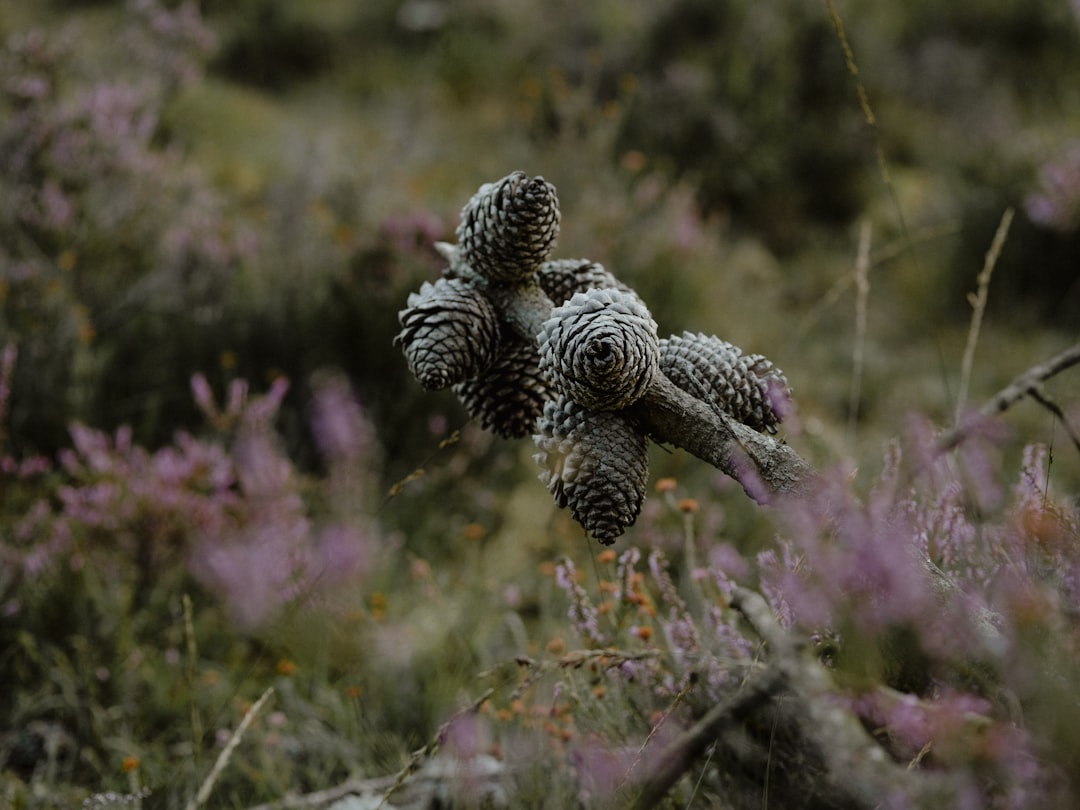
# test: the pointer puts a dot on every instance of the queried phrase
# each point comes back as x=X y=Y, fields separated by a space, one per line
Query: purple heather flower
x=343 y=551
x=342 y=432
x=257 y=570
x=1056 y=202
x=582 y=612
x=601 y=769
x=415 y=230
x=726 y=566
x=467 y=736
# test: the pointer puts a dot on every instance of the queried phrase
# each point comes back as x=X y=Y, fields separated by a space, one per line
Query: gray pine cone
x=595 y=463
x=509 y=227
x=747 y=387
x=600 y=349
x=449 y=333
x=509 y=395
x=561 y=278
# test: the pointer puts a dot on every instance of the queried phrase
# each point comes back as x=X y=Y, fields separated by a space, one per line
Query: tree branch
x=680 y=756
x=1023 y=385
x=764 y=466
x=785 y=729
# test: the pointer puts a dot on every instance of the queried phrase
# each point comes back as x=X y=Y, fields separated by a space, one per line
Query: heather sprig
x=1055 y=203
x=123 y=530
x=582 y=613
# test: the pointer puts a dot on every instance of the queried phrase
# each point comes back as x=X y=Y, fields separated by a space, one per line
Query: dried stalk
x=978 y=306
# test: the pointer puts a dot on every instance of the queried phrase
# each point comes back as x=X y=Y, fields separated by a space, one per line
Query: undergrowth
x=243 y=558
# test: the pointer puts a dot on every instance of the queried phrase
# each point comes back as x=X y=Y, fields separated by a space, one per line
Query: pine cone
x=449 y=333
x=561 y=278
x=600 y=349
x=747 y=387
x=596 y=463
x=509 y=227
x=510 y=394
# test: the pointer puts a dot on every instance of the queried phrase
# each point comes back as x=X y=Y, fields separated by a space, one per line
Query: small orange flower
x=644 y=632
x=633 y=160
x=286 y=667
x=665 y=484
x=343 y=234
x=352 y=691
x=558 y=732
x=606 y=556
x=556 y=646
x=547 y=568
x=473 y=531
x=129 y=764
x=688 y=505
x=599 y=691
x=67 y=260
x=377 y=602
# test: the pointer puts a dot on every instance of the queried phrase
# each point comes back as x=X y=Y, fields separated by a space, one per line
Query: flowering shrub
x=932 y=602
x=95 y=567
x=167 y=558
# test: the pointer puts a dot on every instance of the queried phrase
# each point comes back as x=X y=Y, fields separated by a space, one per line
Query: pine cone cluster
x=600 y=349
x=596 y=354
x=746 y=387
x=595 y=463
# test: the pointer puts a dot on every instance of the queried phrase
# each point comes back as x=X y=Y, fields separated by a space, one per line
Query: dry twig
x=1026 y=384
x=978 y=306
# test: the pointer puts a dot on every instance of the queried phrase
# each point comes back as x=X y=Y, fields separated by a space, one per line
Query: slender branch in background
x=871 y=122
x=878 y=257
x=978 y=305
x=1023 y=385
x=862 y=295
x=1038 y=393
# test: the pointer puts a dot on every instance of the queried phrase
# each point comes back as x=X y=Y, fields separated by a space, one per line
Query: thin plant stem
x=879 y=257
x=192 y=668
x=862 y=296
x=226 y=753
x=872 y=123
x=978 y=305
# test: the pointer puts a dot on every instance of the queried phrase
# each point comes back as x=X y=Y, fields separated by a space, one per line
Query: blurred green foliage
x=251 y=193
